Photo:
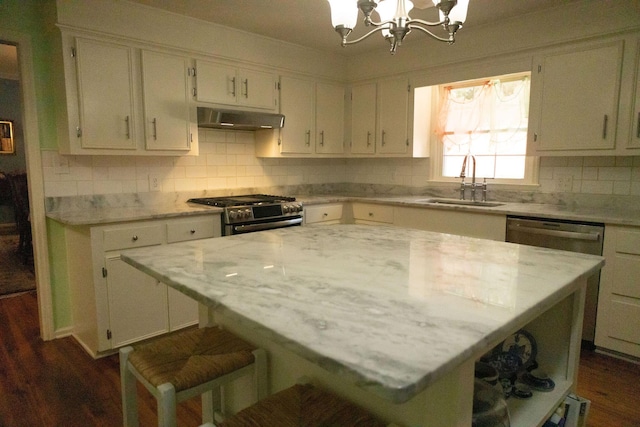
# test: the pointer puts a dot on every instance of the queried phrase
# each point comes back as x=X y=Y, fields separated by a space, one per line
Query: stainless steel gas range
x=255 y=212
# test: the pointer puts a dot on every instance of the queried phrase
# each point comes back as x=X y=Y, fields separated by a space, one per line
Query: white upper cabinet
x=634 y=140
x=329 y=118
x=313 y=124
x=122 y=100
x=228 y=85
x=380 y=119
x=107 y=114
x=166 y=101
x=393 y=116
x=297 y=103
x=363 y=119
x=575 y=98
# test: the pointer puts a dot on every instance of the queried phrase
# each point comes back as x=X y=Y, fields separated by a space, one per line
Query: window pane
x=510 y=167
x=488 y=120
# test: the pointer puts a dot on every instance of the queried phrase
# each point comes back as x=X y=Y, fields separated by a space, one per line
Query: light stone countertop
x=123 y=209
x=606 y=215
x=109 y=215
x=389 y=309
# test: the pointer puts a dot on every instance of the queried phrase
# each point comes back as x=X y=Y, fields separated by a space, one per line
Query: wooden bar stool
x=302 y=405
x=187 y=364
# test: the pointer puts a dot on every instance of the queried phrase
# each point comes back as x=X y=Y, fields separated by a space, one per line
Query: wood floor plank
x=56 y=383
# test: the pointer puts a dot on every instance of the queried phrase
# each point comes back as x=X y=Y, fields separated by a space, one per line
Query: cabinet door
x=363 y=119
x=215 y=83
x=635 y=119
x=297 y=104
x=137 y=303
x=183 y=310
x=166 y=101
x=579 y=105
x=393 y=105
x=329 y=118
x=256 y=89
x=105 y=95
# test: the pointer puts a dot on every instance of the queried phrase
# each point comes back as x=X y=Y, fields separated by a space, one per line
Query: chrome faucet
x=473 y=177
x=473 y=184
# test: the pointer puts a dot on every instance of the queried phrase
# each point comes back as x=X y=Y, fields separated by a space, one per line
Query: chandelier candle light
x=395 y=22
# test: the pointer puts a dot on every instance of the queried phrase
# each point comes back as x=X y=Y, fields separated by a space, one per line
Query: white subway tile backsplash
x=227 y=161
x=614 y=174
x=597 y=187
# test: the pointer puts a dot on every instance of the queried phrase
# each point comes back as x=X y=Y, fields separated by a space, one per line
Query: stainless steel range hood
x=239 y=120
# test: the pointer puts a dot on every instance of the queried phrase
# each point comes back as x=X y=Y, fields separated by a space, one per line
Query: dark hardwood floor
x=55 y=383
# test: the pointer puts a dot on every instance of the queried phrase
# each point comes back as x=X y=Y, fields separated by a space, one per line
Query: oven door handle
x=266 y=225
x=594 y=237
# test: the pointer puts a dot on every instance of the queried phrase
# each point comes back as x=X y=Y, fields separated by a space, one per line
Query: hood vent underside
x=238 y=120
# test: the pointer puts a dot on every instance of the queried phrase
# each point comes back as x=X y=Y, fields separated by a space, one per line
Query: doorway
x=30 y=135
x=16 y=250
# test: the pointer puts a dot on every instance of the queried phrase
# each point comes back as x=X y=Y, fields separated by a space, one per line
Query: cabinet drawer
x=132 y=237
x=628 y=242
x=324 y=213
x=192 y=229
x=374 y=213
x=625 y=320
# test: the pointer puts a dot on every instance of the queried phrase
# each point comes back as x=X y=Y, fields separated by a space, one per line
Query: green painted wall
x=59 y=275
x=36 y=19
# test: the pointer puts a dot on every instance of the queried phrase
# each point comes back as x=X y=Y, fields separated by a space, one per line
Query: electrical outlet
x=154 y=182
x=564 y=183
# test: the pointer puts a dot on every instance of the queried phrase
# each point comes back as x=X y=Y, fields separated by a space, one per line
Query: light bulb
x=344 y=13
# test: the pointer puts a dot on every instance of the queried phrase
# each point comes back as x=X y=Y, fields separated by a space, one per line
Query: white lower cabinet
x=470 y=224
x=331 y=213
x=618 y=323
x=370 y=213
x=115 y=304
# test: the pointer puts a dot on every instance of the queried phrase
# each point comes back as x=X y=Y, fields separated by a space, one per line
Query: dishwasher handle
x=592 y=237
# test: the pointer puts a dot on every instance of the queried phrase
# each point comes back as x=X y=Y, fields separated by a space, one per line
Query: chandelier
x=395 y=22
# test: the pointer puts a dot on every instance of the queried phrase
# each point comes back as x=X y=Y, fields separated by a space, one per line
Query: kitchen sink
x=459 y=202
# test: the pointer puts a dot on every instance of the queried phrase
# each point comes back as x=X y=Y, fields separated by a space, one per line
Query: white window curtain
x=489 y=120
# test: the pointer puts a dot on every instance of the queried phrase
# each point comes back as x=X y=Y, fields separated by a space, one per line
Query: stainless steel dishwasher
x=569 y=236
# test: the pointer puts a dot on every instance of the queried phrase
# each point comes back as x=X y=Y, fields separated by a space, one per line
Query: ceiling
x=308 y=22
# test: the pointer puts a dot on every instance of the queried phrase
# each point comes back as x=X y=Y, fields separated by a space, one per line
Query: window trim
x=532 y=163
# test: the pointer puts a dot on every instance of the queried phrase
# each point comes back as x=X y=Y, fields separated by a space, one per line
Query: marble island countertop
x=391 y=310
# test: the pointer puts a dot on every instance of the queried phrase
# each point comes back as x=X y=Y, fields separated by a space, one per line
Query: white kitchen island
x=391 y=318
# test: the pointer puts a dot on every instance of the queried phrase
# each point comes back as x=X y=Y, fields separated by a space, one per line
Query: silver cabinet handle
x=604 y=126
x=368 y=139
x=638 y=126
x=155 y=128
x=233 y=86
x=246 y=88
x=383 y=137
x=308 y=137
x=322 y=137
x=126 y=120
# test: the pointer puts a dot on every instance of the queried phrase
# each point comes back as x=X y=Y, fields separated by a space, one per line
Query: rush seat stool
x=302 y=405
x=187 y=364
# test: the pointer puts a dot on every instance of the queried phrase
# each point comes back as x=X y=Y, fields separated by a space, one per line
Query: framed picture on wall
x=6 y=137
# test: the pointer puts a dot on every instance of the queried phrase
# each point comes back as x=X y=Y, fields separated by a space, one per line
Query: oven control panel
x=239 y=214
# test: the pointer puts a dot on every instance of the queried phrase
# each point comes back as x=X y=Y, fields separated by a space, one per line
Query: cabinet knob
x=370 y=213
x=325 y=214
x=134 y=238
x=192 y=231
